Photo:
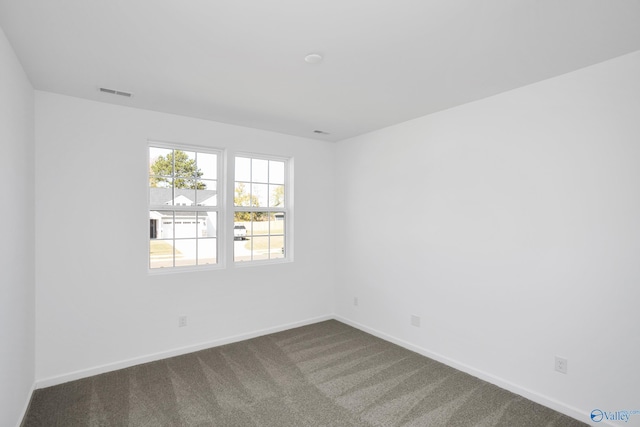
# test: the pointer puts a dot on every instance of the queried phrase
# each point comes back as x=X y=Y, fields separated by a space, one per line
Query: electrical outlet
x=182 y=321
x=561 y=364
x=415 y=321
x=355 y=301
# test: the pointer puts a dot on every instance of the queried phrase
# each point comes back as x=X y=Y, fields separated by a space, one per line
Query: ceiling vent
x=116 y=92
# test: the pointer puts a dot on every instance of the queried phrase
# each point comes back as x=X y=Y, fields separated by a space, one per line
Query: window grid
x=260 y=205
x=186 y=209
x=183 y=207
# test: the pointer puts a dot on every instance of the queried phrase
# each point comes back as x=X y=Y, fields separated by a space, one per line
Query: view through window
x=186 y=208
x=183 y=207
x=260 y=209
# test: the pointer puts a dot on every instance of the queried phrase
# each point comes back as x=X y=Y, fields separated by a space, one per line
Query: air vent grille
x=116 y=92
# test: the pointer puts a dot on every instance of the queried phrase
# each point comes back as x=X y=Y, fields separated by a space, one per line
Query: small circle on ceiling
x=313 y=58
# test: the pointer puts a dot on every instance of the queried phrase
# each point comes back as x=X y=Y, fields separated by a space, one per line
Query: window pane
x=242 y=250
x=276 y=249
x=207 y=224
x=276 y=195
x=207 y=251
x=160 y=161
x=260 y=224
x=206 y=185
x=184 y=163
x=241 y=195
x=260 y=248
x=185 y=170
x=206 y=194
x=243 y=218
x=185 y=250
x=276 y=172
x=184 y=197
x=276 y=223
x=163 y=223
x=260 y=170
x=160 y=182
x=259 y=194
x=207 y=165
x=160 y=191
x=243 y=169
x=185 y=225
x=160 y=253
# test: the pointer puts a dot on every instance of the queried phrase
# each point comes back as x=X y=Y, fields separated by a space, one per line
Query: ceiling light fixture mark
x=313 y=58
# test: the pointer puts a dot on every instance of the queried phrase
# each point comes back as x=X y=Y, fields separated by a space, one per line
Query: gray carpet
x=326 y=374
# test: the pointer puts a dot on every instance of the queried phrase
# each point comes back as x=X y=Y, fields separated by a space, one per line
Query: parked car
x=239 y=232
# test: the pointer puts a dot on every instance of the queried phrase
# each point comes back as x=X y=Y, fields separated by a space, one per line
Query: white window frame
x=219 y=208
x=287 y=209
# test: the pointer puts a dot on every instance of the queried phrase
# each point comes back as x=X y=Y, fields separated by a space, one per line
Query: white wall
x=17 y=301
x=511 y=226
x=98 y=308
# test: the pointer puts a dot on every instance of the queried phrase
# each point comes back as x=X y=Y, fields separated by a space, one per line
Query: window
x=260 y=209
x=187 y=207
x=183 y=207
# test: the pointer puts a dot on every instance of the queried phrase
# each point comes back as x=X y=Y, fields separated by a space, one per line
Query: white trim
x=259 y=156
x=159 y=271
x=543 y=400
x=84 y=373
x=25 y=408
x=261 y=262
x=151 y=142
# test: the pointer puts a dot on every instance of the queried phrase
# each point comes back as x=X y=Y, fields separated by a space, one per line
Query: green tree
x=181 y=167
x=242 y=198
x=277 y=197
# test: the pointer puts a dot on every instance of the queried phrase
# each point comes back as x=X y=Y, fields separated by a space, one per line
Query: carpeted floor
x=326 y=374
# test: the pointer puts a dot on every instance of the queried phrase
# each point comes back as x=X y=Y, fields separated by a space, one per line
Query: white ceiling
x=242 y=61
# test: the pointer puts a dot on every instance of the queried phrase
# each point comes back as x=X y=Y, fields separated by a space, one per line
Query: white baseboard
x=84 y=373
x=500 y=382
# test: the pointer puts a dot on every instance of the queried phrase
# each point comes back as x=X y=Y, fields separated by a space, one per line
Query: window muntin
x=183 y=207
x=260 y=206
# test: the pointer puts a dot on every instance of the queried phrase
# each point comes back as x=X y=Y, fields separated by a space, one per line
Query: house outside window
x=183 y=206
x=187 y=208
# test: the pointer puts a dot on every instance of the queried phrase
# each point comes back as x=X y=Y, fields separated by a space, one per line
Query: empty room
x=304 y=213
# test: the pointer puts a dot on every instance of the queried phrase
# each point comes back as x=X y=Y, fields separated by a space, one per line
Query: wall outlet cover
x=561 y=364
x=415 y=321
